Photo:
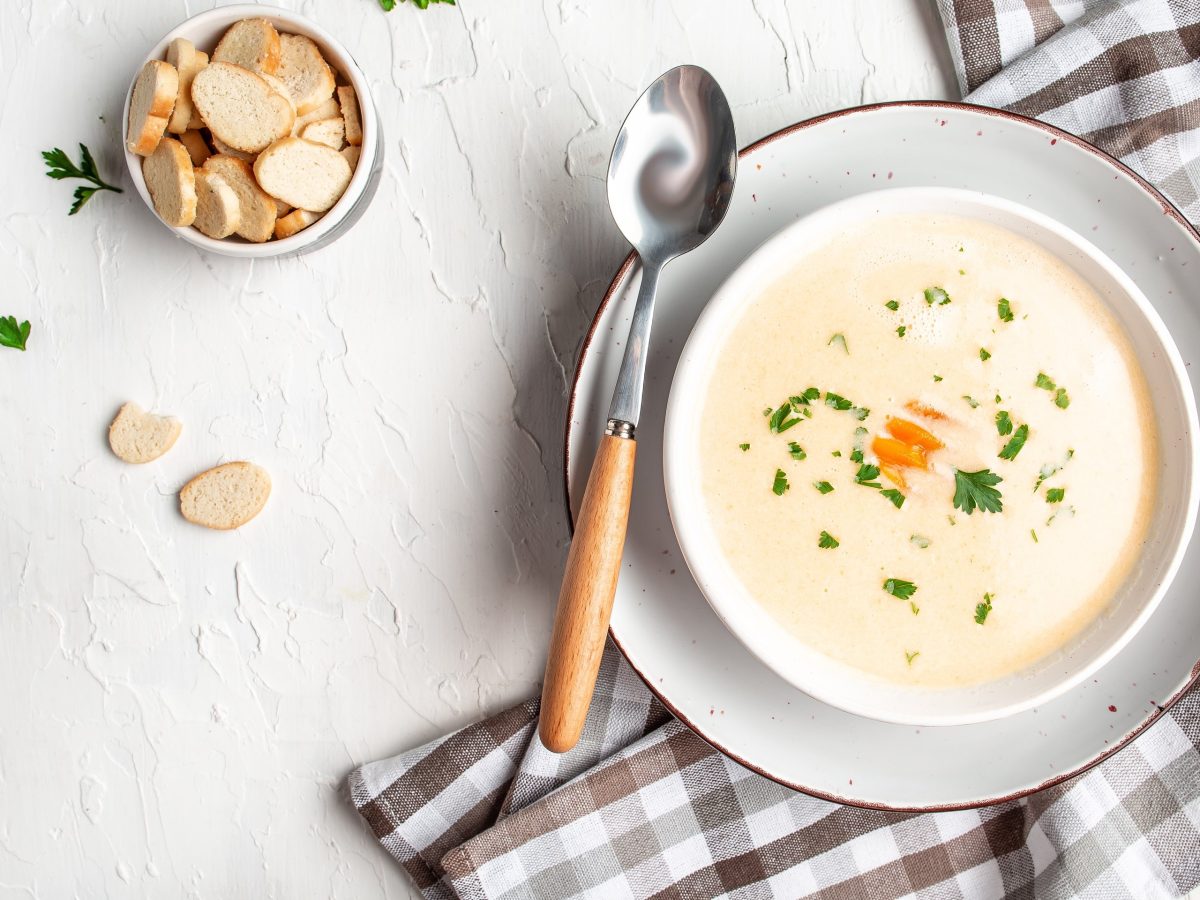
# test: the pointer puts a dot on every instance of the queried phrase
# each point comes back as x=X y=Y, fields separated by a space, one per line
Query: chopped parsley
x=1045 y=382
x=984 y=356
x=982 y=609
x=900 y=588
x=1004 y=310
x=795 y=451
x=916 y=610
x=743 y=447
x=840 y=339
x=901 y=331
x=860 y=435
x=866 y=476
x=827 y=541
x=836 y=453
x=1004 y=423
x=860 y=412
x=976 y=490
x=782 y=419
x=781 y=483
x=823 y=486
x=893 y=305
x=837 y=401
x=1061 y=400
x=936 y=296
x=971 y=401
x=1033 y=534
x=807 y=397
x=937 y=378
x=893 y=495
x=1015 y=443
x=910 y=655
x=1055 y=495
x=920 y=541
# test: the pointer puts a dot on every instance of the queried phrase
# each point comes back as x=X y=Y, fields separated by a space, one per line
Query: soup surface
x=928 y=451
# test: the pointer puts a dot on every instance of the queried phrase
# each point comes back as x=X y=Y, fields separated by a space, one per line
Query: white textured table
x=179 y=708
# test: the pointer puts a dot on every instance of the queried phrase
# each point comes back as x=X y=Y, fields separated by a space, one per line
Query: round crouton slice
x=252 y=44
x=222 y=147
x=303 y=69
x=226 y=497
x=171 y=181
x=303 y=174
x=187 y=62
x=218 y=211
x=197 y=123
x=294 y=222
x=280 y=88
x=326 y=110
x=137 y=436
x=240 y=108
x=348 y=103
x=150 y=106
x=256 y=208
x=196 y=147
x=330 y=132
x=351 y=154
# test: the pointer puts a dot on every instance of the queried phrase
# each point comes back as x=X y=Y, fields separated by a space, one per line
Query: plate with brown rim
x=661 y=621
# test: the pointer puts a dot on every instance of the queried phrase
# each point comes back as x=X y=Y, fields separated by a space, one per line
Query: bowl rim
x=346 y=66
x=716 y=579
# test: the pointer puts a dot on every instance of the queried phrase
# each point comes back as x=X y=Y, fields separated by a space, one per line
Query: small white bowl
x=850 y=689
x=204 y=30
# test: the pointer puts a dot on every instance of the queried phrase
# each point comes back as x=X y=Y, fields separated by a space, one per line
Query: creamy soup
x=928 y=451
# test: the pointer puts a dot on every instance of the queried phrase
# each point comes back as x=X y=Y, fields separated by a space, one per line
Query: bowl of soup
x=931 y=456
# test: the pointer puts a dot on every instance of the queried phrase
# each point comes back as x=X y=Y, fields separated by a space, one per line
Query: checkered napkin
x=644 y=808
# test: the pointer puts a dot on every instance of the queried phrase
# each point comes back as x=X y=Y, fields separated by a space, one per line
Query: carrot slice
x=897 y=453
x=913 y=434
x=921 y=409
x=894 y=475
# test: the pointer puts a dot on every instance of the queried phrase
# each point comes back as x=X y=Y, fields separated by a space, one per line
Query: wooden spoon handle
x=586 y=598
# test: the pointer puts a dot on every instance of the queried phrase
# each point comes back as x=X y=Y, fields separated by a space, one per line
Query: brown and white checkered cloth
x=644 y=808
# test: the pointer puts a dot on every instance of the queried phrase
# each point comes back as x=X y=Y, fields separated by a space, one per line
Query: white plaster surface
x=179 y=708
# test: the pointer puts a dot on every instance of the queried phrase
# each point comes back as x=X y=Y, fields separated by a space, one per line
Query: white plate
x=661 y=621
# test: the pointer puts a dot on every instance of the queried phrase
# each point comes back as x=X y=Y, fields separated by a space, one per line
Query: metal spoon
x=670 y=181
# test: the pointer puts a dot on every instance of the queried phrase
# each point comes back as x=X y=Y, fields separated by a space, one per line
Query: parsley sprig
x=12 y=334
x=1015 y=443
x=59 y=166
x=976 y=490
x=900 y=588
x=982 y=609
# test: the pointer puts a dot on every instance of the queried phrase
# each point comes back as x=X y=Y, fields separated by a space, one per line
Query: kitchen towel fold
x=645 y=808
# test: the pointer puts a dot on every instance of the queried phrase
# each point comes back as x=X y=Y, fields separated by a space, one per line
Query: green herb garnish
x=59 y=166
x=893 y=305
x=1004 y=423
x=976 y=490
x=936 y=296
x=1045 y=382
x=1055 y=495
x=807 y=397
x=971 y=401
x=1061 y=400
x=1033 y=534
x=982 y=609
x=860 y=412
x=1004 y=310
x=12 y=334
x=916 y=610
x=781 y=483
x=937 y=378
x=901 y=331
x=1015 y=443
x=744 y=447
x=823 y=486
x=920 y=541
x=893 y=495
x=866 y=476
x=860 y=436
x=827 y=541
x=782 y=419
x=841 y=339
x=837 y=401
x=900 y=588
x=910 y=655
x=389 y=5
x=795 y=451
x=984 y=356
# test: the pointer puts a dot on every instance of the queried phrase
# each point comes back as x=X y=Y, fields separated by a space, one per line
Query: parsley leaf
x=1015 y=443
x=976 y=490
x=795 y=451
x=984 y=356
x=1055 y=495
x=807 y=397
x=823 y=486
x=971 y=401
x=1004 y=423
x=937 y=378
x=1045 y=382
x=936 y=296
x=900 y=588
x=59 y=166
x=827 y=541
x=744 y=447
x=866 y=476
x=841 y=339
x=1004 y=310
x=13 y=335
x=781 y=483
x=860 y=412
x=893 y=305
x=837 y=401
x=896 y=498
x=782 y=419
x=860 y=436
x=901 y=331
x=982 y=609
x=1061 y=400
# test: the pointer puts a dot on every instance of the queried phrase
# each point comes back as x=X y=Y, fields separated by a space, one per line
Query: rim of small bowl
x=345 y=66
x=717 y=581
